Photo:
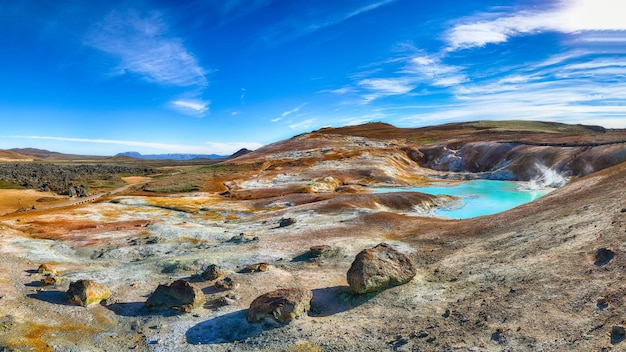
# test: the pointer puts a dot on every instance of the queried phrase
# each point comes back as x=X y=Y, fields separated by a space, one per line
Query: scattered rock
x=603 y=256
x=47 y=269
x=226 y=283
x=254 y=268
x=618 y=334
x=50 y=281
x=86 y=292
x=286 y=222
x=218 y=302
x=180 y=296
x=283 y=305
x=379 y=268
x=212 y=272
x=322 y=251
x=242 y=238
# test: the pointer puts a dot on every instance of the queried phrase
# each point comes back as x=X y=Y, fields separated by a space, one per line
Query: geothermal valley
x=173 y=256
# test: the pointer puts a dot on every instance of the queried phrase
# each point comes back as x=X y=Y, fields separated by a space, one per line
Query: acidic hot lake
x=478 y=197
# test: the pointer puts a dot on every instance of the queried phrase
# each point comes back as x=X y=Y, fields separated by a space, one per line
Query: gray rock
x=378 y=268
x=180 y=296
x=282 y=305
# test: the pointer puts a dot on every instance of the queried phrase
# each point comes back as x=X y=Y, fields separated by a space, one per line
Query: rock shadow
x=210 y=290
x=304 y=257
x=54 y=297
x=603 y=256
x=226 y=328
x=332 y=300
x=618 y=334
x=128 y=309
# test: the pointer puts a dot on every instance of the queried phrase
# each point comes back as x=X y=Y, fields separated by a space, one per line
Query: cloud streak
x=144 y=47
x=190 y=107
x=209 y=148
x=570 y=17
x=306 y=19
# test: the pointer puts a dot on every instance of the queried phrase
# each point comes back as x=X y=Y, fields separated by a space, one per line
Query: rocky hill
x=7 y=155
x=380 y=154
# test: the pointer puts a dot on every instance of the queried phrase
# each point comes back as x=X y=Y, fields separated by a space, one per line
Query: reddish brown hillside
x=9 y=155
x=531 y=131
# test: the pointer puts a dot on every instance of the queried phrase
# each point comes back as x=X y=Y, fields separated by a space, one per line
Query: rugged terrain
x=533 y=278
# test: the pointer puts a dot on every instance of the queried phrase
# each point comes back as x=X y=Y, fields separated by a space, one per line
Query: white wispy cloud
x=387 y=86
x=143 y=45
x=308 y=18
x=430 y=69
x=190 y=107
x=207 y=148
x=412 y=69
x=577 y=90
x=289 y=112
x=570 y=17
x=305 y=124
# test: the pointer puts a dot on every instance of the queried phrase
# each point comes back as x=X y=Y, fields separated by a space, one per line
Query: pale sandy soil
x=135 y=179
x=13 y=199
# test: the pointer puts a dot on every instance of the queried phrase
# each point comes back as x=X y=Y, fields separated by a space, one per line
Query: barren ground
x=522 y=280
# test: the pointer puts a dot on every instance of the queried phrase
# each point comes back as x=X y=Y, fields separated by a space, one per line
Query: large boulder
x=378 y=268
x=180 y=296
x=86 y=292
x=283 y=305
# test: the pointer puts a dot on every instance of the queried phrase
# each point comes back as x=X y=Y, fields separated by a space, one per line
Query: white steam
x=547 y=177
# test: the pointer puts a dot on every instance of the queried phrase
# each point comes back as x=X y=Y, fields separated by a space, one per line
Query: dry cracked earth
x=545 y=276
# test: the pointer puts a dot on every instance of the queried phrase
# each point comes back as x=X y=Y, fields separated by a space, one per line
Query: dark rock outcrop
x=282 y=305
x=378 y=268
x=211 y=273
x=62 y=178
x=180 y=296
x=286 y=222
x=86 y=292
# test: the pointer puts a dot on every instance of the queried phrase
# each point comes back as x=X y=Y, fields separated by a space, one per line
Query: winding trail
x=131 y=181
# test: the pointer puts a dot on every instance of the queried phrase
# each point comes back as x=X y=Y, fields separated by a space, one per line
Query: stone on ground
x=180 y=296
x=211 y=273
x=321 y=251
x=86 y=292
x=378 y=268
x=47 y=269
x=227 y=283
x=282 y=305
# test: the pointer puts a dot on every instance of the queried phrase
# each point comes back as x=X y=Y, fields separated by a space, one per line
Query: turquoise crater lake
x=478 y=197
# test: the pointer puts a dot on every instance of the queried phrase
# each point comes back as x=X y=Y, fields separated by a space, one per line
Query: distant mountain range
x=172 y=156
x=138 y=155
x=24 y=153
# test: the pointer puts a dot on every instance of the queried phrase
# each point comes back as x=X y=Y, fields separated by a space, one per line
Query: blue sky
x=205 y=76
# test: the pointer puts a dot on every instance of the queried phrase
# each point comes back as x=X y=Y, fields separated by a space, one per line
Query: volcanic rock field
x=293 y=216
